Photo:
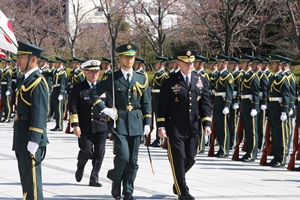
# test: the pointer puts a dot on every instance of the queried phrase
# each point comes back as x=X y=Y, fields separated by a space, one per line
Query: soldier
x=157 y=81
x=6 y=90
x=58 y=93
x=50 y=84
x=222 y=102
x=89 y=126
x=105 y=64
x=278 y=107
x=30 y=137
x=183 y=104
x=139 y=65
x=15 y=75
x=250 y=107
x=236 y=95
x=133 y=104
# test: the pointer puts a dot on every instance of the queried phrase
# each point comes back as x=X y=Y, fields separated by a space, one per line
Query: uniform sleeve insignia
x=230 y=81
x=104 y=78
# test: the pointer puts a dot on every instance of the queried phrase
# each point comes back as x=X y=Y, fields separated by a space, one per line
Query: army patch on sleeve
x=104 y=78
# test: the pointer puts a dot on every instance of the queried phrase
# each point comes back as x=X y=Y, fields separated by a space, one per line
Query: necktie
x=128 y=78
x=187 y=81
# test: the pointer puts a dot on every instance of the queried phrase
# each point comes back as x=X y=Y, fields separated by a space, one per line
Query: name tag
x=176 y=88
x=86 y=98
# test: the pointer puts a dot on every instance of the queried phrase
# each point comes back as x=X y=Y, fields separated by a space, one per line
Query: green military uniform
x=157 y=81
x=59 y=88
x=30 y=126
x=16 y=73
x=133 y=104
x=263 y=95
x=6 y=86
x=249 y=103
x=236 y=95
x=222 y=101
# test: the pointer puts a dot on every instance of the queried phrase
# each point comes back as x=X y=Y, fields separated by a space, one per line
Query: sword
x=150 y=159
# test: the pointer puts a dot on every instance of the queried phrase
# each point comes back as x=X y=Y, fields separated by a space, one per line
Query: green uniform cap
x=200 y=59
x=29 y=49
x=246 y=58
x=59 y=59
x=139 y=60
x=105 y=60
x=160 y=59
x=279 y=58
x=126 y=50
x=235 y=60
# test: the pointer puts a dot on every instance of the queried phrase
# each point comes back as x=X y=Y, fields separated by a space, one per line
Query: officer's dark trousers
x=182 y=156
x=28 y=168
x=279 y=138
x=250 y=127
x=222 y=131
x=126 y=150
x=92 y=146
x=261 y=127
x=232 y=125
x=5 y=105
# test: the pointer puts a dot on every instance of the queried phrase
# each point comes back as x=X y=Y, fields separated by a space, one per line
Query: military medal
x=176 y=88
x=199 y=84
x=176 y=99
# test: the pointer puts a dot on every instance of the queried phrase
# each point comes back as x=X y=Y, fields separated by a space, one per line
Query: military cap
x=278 y=58
x=221 y=58
x=126 y=50
x=266 y=60
x=187 y=56
x=246 y=58
x=200 y=58
x=258 y=60
x=211 y=60
x=105 y=60
x=29 y=49
x=91 y=65
x=172 y=59
x=234 y=59
x=6 y=60
x=140 y=60
x=51 y=61
x=59 y=59
x=160 y=59
x=74 y=59
x=44 y=58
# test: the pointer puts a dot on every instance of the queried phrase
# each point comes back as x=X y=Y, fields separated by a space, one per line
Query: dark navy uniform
x=181 y=109
x=30 y=126
x=93 y=127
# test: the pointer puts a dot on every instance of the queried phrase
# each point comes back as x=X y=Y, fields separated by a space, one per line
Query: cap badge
x=128 y=46
x=94 y=63
x=188 y=53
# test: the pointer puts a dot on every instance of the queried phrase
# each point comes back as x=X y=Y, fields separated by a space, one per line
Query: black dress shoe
x=155 y=143
x=220 y=155
x=128 y=196
x=186 y=197
x=95 y=183
x=174 y=189
x=277 y=164
x=78 y=175
x=116 y=190
x=247 y=159
x=200 y=152
x=56 y=129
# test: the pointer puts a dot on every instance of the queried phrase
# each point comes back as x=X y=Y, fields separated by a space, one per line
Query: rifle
x=239 y=138
x=267 y=145
x=68 y=129
x=165 y=144
x=211 y=150
x=148 y=139
x=291 y=165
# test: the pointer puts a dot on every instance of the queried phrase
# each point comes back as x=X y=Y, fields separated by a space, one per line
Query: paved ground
x=210 y=178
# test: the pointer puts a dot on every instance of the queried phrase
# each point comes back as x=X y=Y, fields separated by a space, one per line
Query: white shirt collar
x=30 y=72
x=184 y=76
x=124 y=72
x=276 y=74
x=90 y=84
x=222 y=71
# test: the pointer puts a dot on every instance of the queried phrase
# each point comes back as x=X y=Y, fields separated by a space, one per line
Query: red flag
x=8 y=40
x=2 y=54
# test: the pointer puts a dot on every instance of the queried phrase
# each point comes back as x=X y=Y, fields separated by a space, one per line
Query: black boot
x=82 y=160
x=95 y=173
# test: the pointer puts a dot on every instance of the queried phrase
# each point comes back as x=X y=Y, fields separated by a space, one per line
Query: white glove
x=110 y=112
x=225 y=111
x=283 y=116
x=213 y=91
x=60 y=97
x=146 y=130
x=263 y=107
x=253 y=113
x=32 y=147
x=235 y=106
x=7 y=93
x=290 y=112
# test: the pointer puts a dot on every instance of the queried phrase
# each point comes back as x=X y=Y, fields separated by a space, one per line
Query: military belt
x=127 y=107
x=247 y=96
x=279 y=99
x=155 y=90
x=260 y=94
x=19 y=117
x=220 y=94
x=14 y=80
x=57 y=85
x=4 y=83
x=234 y=93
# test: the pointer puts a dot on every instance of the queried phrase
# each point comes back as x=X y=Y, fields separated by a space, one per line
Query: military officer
x=89 y=126
x=233 y=111
x=250 y=107
x=58 y=93
x=278 y=108
x=133 y=104
x=6 y=89
x=222 y=103
x=183 y=104
x=263 y=95
x=30 y=137
x=15 y=74
x=106 y=66
x=139 y=65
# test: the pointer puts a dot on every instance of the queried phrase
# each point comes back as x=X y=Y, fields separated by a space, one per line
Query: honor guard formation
x=240 y=108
